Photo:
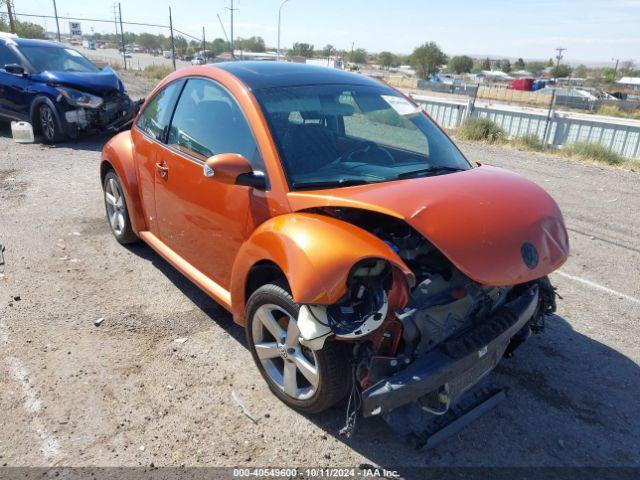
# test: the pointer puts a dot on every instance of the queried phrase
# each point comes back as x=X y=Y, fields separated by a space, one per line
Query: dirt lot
x=126 y=393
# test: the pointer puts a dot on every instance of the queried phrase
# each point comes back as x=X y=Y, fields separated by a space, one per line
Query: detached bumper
x=459 y=364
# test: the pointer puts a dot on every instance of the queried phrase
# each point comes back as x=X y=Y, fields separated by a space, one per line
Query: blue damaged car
x=59 y=91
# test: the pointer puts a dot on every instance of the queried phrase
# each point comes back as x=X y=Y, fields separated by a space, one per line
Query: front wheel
x=306 y=380
x=48 y=124
x=116 y=208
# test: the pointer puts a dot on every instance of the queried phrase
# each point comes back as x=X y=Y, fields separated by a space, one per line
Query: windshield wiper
x=427 y=171
x=331 y=183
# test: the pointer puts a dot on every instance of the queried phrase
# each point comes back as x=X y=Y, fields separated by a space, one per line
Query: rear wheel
x=48 y=124
x=116 y=208
x=309 y=381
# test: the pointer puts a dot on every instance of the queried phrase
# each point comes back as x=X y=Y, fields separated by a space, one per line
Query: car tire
x=116 y=208
x=322 y=377
x=48 y=124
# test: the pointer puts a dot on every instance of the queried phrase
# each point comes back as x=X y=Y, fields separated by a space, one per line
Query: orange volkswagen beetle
x=361 y=251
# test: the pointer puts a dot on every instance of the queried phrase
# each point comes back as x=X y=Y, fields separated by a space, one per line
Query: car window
x=157 y=114
x=384 y=125
x=207 y=121
x=7 y=56
x=55 y=58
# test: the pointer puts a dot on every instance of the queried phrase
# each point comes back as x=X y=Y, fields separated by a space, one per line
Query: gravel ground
x=126 y=393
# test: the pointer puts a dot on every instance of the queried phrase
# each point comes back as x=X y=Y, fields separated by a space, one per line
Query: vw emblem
x=529 y=255
x=283 y=351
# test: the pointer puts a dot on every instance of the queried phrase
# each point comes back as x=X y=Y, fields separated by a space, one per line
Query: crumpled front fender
x=315 y=252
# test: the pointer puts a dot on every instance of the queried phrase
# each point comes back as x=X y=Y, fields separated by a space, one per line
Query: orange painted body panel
x=215 y=232
x=478 y=219
x=315 y=252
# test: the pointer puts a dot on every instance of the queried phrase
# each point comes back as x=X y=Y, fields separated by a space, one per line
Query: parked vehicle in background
x=197 y=61
x=59 y=91
x=362 y=252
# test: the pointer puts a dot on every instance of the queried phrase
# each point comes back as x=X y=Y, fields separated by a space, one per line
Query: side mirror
x=14 y=68
x=233 y=169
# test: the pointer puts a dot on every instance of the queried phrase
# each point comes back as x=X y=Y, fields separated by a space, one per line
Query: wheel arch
x=33 y=112
x=117 y=155
x=315 y=253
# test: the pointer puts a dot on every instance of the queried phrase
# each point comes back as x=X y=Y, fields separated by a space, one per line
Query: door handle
x=163 y=170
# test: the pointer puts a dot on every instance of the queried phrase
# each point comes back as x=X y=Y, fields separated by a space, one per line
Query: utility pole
x=55 y=12
x=115 y=22
x=279 y=16
x=558 y=58
x=124 y=53
x=204 y=47
x=231 y=41
x=12 y=21
x=352 y=51
x=173 y=43
x=615 y=70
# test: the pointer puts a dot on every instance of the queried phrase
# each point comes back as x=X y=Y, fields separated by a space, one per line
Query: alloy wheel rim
x=46 y=120
x=290 y=365
x=115 y=206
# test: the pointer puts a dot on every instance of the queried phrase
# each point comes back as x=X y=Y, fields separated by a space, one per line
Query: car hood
x=100 y=83
x=495 y=226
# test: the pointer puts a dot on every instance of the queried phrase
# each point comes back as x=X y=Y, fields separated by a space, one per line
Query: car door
x=14 y=88
x=202 y=220
x=149 y=132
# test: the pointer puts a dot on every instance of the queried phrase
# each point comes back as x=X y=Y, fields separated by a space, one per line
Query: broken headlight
x=365 y=305
x=76 y=98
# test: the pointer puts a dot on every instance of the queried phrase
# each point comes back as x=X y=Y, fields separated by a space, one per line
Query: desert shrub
x=593 y=152
x=613 y=111
x=530 y=141
x=480 y=130
x=156 y=72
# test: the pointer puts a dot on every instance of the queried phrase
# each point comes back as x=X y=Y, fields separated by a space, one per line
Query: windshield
x=340 y=135
x=57 y=59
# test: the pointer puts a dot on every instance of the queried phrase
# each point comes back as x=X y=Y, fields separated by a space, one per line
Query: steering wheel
x=374 y=152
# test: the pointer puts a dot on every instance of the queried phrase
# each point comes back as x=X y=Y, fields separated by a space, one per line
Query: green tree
x=386 y=59
x=461 y=64
x=627 y=67
x=426 y=59
x=219 y=45
x=485 y=64
x=251 y=44
x=561 y=71
x=535 y=68
x=328 y=50
x=608 y=75
x=359 y=55
x=550 y=62
x=301 y=50
x=519 y=64
x=506 y=65
x=149 y=41
x=181 y=44
x=24 y=29
x=580 y=71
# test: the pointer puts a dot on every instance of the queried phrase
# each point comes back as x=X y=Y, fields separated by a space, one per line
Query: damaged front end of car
x=420 y=344
x=85 y=112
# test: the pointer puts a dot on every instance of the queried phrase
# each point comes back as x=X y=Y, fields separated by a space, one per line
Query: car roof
x=30 y=42
x=267 y=74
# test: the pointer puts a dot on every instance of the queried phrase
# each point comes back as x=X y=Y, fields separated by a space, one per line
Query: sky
x=592 y=31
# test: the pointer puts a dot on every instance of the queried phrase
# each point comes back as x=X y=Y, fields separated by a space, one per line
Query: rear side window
x=207 y=121
x=7 y=56
x=157 y=114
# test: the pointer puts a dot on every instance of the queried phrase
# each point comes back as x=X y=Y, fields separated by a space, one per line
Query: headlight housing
x=77 y=98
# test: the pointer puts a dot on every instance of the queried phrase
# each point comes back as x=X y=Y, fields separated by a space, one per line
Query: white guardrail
x=554 y=128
